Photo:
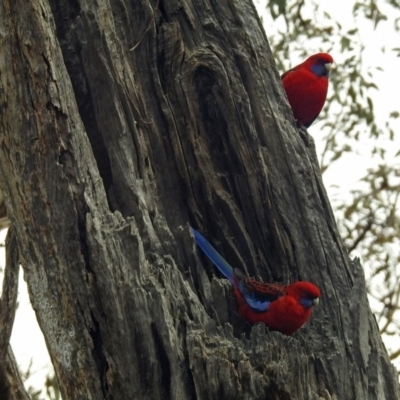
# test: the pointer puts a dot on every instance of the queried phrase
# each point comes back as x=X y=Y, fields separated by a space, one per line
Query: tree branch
x=11 y=386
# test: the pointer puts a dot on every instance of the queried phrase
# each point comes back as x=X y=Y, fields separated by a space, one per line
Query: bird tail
x=215 y=257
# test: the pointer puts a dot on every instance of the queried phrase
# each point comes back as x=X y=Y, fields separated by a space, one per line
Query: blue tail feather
x=214 y=256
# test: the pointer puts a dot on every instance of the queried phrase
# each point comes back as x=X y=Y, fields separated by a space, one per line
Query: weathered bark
x=4 y=220
x=107 y=155
x=11 y=386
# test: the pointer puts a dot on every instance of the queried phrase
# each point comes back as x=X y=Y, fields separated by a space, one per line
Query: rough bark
x=11 y=386
x=107 y=155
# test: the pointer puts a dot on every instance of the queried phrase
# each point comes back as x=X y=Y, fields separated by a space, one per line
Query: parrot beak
x=316 y=301
x=328 y=66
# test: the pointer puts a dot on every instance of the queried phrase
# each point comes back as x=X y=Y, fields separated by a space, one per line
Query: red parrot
x=306 y=87
x=283 y=308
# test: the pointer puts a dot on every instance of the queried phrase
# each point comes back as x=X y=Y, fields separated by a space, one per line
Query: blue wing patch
x=260 y=295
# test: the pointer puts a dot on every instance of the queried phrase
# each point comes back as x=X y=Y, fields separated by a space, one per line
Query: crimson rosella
x=283 y=308
x=306 y=87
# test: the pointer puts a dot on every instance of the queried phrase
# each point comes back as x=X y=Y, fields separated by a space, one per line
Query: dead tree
x=122 y=123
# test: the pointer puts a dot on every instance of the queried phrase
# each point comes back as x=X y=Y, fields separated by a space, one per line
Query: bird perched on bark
x=306 y=87
x=283 y=308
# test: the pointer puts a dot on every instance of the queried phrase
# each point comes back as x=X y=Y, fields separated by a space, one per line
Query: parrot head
x=320 y=64
x=305 y=292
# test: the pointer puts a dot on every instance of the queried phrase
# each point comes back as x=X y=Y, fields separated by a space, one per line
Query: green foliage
x=369 y=214
x=51 y=388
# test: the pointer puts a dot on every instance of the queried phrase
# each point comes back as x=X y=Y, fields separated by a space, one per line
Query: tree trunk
x=11 y=385
x=108 y=155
